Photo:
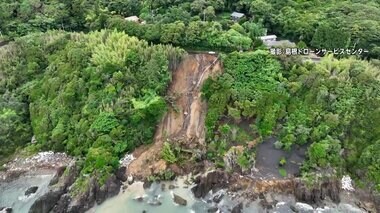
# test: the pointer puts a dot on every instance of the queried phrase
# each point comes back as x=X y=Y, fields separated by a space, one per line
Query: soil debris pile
x=183 y=124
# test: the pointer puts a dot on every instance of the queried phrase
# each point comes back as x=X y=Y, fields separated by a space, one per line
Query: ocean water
x=126 y=201
x=12 y=194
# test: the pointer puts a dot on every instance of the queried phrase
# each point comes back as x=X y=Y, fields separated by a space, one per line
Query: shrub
x=168 y=154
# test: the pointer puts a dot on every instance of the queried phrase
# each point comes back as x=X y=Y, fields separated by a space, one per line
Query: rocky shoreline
x=45 y=162
x=61 y=198
x=315 y=196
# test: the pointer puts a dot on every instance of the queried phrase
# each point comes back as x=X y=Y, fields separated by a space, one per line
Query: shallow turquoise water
x=126 y=201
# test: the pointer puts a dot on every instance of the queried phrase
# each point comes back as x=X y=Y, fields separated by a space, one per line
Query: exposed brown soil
x=183 y=124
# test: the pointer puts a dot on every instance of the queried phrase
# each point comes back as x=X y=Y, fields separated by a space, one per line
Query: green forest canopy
x=100 y=92
x=334 y=106
x=206 y=24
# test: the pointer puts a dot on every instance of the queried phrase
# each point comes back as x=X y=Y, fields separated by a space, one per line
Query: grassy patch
x=282 y=172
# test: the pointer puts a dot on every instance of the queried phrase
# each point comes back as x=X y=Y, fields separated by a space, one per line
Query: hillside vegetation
x=334 y=106
x=93 y=95
x=81 y=79
x=204 y=24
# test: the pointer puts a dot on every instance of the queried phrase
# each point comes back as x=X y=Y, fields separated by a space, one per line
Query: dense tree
x=97 y=95
x=332 y=106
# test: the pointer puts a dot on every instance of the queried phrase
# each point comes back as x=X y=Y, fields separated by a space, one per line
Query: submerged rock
x=31 y=190
x=179 y=200
x=212 y=210
x=139 y=199
x=218 y=197
x=155 y=202
x=238 y=208
x=147 y=184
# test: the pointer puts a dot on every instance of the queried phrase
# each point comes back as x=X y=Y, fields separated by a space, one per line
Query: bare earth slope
x=184 y=121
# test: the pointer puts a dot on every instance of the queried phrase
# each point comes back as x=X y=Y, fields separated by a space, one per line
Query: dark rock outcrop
x=46 y=202
x=376 y=200
x=147 y=184
x=31 y=190
x=212 y=210
x=94 y=194
x=6 y=210
x=218 y=197
x=179 y=200
x=238 y=208
x=59 y=198
x=211 y=181
x=109 y=189
x=62 y=203
x=57 y=175
x=121 y=174
x=267 y=200
x=315 y=194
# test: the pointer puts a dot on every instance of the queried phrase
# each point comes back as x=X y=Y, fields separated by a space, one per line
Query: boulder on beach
x=31 y=190
x=130 y=179
x=303 y=208
x=179 y=200
x=283 y=207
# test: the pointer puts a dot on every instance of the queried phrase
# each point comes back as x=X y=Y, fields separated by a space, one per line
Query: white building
x=133 y=18
x=237 y=16
x=268 y=38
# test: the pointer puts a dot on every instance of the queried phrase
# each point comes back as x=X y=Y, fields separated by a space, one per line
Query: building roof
x=132 y=18
x=268 y=37
x=237 y=15
x=281 y=43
